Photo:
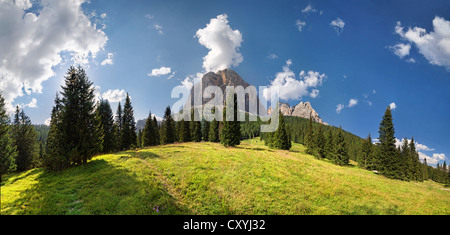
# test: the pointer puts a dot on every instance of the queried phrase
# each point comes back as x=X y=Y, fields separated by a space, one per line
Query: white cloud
x=435 y=45
x=47 y=121
x=114 y=96
x=108 y=60
x=223 y=44
x=190 y=80
x=160 y=71
x=393 y=106
x=31 y=43
x=32 y=104
x=434 y=159
x=292 y=89
x=401 y=50
x=339 y=108
x=158 y=28
x=338 y=25
x=419 y=147
x=300 y=24
x=314 y=93
x=272 y=56
x=352 y=102
x=309 y=9
x=103 y=16
x=149 y=16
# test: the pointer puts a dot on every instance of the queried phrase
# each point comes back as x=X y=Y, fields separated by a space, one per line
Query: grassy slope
x=207 y=178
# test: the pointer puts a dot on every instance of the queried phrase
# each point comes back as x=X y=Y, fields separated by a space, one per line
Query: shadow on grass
x=98 y=188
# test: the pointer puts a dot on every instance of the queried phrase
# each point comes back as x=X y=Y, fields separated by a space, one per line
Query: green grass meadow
x=208 y=179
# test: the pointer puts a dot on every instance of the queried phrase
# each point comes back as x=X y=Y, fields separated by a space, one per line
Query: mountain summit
x=303 y=109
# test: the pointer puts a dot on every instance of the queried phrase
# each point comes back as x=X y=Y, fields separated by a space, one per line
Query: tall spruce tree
x=167 y=128
x=329 y=145
x=320 y=142
x=8 y=151
x=309 y=137
x=149 y=135
x=416 y=166
x=214 y=130
x=230 y=135
x=128 y=135
x=107 y=126
x=388 y=163
x=205 y=130
x=156 y=127
x=365 y=157
x=196 y=127
x=281 y=138
x=76 y=136
x=340 y=149
x=25 y=140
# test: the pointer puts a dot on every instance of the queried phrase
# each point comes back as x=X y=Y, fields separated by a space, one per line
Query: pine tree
x=214 y=130
x=425 y=169
x=156 y=127
x=149 y=136
x=107 y=126
x=205 y=130
x=8 y=151
x=320 y=142
x=196 y=127
x=167 y=128
x=25 y=140
x=231 y=130
x=281 y=138
x=388 y=155
x=365 y=158
x=417 y=170
x=329 y=145
x=406 y=163
x=128 y=135
x=340 y=149
x=309 y=138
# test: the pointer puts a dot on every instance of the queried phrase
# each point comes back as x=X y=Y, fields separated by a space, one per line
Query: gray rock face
x=304 y=110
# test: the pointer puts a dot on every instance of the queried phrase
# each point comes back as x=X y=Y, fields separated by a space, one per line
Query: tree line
x=81 y=127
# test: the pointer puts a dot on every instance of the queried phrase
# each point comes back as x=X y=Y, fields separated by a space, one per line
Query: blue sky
x=361 y=56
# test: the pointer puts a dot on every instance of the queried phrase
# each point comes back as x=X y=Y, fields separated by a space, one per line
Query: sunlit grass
x=207 y=178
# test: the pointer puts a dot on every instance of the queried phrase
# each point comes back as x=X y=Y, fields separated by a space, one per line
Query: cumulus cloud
x=114 y=96
x=108 y=60
x=352 y=102
x=392 y=106
x=436 y=157
x=401 y=50
x=158 y=28
x=435 y=45
x=338 y=25
x=292 y=89
x=223 y=44
x=31 y=43
x=314 y=93
x=160 y=71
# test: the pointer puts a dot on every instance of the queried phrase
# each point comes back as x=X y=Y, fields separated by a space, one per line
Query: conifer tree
x=329 y=145
x=8 y=151
x=107 y=126
x=156 y=127
x=340 y=149
x=128 y=135
x=25 y=140
x=416 y=167
x=320 y=142
x=205 y=130
x=196 y=129
x=388 y=163
x=75 y=132
x=231 y=130
x=281 y=138
x=214 y=130
x=150 y=132
x=309 y=138
x=365 y=158
x=167 y=128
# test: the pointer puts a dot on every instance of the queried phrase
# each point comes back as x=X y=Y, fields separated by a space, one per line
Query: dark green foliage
x=329 y=145
x=156 y=126
x=389 y=157
x=167 y=132
x=309 y=138
x=107 y=127
x=231 y=130
x=280 y=139
x=25 y=139
x=205 y=130
x=365 y=158
x=8 y=151
x=340 y=151
x=213 y=135
x=196 y=127
x=320 y=142
x=128 y=135
x=150 y=134
x=74 y=136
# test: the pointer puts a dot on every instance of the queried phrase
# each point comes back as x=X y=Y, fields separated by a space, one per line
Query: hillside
x=207 y=178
